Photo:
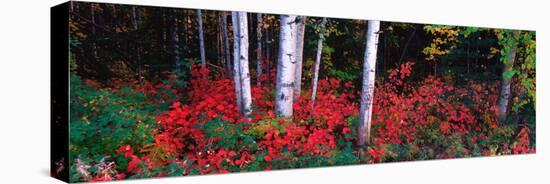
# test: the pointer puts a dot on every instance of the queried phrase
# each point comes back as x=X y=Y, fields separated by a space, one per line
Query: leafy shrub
x=102 y=120
x=429 y=119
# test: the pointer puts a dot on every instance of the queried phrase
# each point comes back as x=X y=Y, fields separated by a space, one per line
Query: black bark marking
x=290 y=59
x=289 y=85
x=368 y=95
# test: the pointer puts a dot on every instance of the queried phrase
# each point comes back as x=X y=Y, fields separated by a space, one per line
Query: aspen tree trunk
x=243 y=64
x=236 y=60
x=134 y=18
x=219 y=44
x=506 y=83
x=300 y=28
x=138 y=49
x=317 y=62
x=226 y=44
x=164 y=26
x=242 y=74
x=268 y=53
x=259 y=49
x=71 y=10
x=284 y=86
x=369 y=71
x=185 y=36
x=175 y=40
x=201 y=40
x=94 y=45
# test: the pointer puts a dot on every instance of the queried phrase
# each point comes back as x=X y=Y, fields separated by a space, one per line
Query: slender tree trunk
x=317 y=62
x=201 y=40
x=268 y=53
x=137 y=46
x=468 y=58
x=175 y=39
x=284 y=86
x=369 y=71
x=407 y=45
x=259 y=49
x=164 y=26
x=477 y=53
x=243 y=64
x=517 y=116
x=185 y=35
x=385 y=53
x=300 y=28
x=242 y=74
x=226 y=44
x=236 y=59
x=71 y=10
x=94 y=45
x=219 y=41
x=505 y=90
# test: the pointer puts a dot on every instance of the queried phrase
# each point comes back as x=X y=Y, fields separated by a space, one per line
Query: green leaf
x=509 y=74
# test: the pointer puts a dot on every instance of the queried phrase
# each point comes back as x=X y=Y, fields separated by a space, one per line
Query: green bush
x=101 y=121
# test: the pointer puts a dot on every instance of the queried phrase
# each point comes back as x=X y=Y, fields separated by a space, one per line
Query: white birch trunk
x=175 y=40
x=267 y=52
x=243 y=64
x=367 y=91
x=236 y=53
x=134 y=18
x=317 y=62
x=94 y=46
x=505 y=86
x=284 y=86
x=259 y=49
x=201 y=40
x=137 y=46
x=300 y=29
x=241 y=71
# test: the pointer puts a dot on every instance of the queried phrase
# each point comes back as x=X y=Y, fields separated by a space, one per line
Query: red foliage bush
x=305 y=134
x=429 y=118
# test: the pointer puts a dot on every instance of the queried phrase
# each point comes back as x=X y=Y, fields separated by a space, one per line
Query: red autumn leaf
x=220 y=107
x=267 y=158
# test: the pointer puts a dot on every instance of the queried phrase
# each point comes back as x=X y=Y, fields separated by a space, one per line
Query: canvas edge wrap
x=59 y=91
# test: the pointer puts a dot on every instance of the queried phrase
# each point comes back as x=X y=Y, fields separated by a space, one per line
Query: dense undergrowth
x=144 y=130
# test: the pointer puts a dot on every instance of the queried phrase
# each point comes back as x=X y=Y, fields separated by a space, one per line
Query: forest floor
x=130 y=130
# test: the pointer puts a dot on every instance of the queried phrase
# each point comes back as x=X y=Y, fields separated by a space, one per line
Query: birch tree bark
x=284 y=86
x=259 y=49
x=268 y=52
x=243 y=64
x=505 y=86
x=369 y=67
x=185 y=38
x=226 y=43
x=201 y=40
x=300 y=28
x=137 y=46
x=175 y=39
x=219 y=41
x=318 y=55
x=242 y=74
x=236 y=53
x=94 y=46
